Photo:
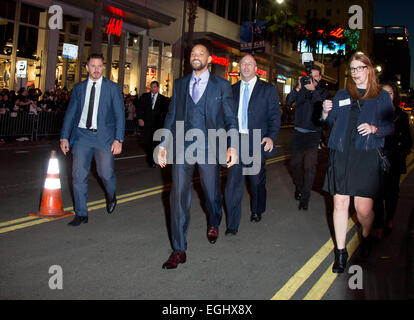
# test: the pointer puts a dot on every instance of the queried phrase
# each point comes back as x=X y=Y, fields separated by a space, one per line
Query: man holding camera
x=308 y=96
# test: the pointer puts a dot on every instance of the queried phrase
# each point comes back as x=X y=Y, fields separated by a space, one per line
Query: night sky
x=398 y=13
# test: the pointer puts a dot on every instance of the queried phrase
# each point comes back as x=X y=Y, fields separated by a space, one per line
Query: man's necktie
x=153 y=101
x=196 y=90
x=91 y=105
x=245 y=106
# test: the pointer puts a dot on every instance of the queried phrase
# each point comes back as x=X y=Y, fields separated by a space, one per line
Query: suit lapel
x=255 y=92
x=236 y=94
x=181 y=107
x=102 y=98
x=83 y=94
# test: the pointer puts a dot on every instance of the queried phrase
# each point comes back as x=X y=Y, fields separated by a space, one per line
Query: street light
x=280 y=1
x=379 y=69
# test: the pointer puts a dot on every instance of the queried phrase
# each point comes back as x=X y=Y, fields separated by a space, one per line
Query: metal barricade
x=27 y=125
x=48 y=124
x=17 y=124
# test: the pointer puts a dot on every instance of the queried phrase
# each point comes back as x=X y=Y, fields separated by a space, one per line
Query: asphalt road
x=287 y=255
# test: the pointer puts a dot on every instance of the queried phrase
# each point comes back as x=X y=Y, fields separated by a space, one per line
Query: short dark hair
x=95 y=56
x=204 y=43
x=317 y=68
x=156 y=82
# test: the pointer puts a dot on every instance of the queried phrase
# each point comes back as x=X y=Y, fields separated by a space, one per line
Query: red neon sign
x=152 y=72
x=261 y=72
x=337 y=33
x=219 y=60
x=116 y=11
x=114 y=26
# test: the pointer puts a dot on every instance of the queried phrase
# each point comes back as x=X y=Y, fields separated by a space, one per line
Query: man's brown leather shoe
x=212 y=234
x=174 y=259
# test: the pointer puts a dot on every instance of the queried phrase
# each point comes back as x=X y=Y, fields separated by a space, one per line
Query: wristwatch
x=119 y=140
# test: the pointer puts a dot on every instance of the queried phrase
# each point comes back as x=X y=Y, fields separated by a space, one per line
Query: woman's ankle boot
x=341 y=257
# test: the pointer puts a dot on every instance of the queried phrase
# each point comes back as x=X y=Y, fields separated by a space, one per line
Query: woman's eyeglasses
x=357 y=69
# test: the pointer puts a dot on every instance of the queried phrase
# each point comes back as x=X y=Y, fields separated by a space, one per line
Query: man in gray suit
x=95 y=122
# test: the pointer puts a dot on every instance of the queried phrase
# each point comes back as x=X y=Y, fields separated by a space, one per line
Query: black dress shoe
x=230 y=232
x=78 y=220
x=175 y=258
x=303 y=205
x=340 y=261
x=298 y=194
x=366 y=246
x=255 y=217
x=111 y=204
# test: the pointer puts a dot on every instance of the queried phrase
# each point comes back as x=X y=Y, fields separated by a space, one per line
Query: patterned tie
x=245 y=106
x=91 y=105
x=196 y=90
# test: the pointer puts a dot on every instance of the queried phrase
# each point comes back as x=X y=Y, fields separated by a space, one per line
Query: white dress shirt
x=84 y=116
x=252 y=82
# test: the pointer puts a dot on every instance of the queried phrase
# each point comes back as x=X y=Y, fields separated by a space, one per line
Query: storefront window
x=6 y=39
x=66 y=68
x=5 y=73
x=26 y=47
x=166 y=71
x=153 y=65
x=132 y=71
x=8 y=9
x=30 y=14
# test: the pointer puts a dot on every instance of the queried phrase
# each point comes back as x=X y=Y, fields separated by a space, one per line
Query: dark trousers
x=180 y=199
x=303 y=162
x=234 y=193
x=385 y=207
x=83 y=151
x=149 y=145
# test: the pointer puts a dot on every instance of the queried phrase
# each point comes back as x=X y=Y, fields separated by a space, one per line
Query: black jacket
x=153 y=119
x=308 y=106
x=398 y=146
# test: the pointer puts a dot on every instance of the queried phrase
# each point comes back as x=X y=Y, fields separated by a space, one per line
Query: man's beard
x=200 y=67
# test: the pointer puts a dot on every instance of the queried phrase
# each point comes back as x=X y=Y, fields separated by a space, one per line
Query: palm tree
x=192 y=16
x=316 y=32
x=281 y=24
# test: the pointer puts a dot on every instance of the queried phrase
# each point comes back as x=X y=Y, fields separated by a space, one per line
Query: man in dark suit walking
x=258 y=108
x=152 y=109
x=95 y=122
x=201 y=101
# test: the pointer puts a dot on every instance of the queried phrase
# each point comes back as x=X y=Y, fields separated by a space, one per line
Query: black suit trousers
x=234 y=193
x=303 y=162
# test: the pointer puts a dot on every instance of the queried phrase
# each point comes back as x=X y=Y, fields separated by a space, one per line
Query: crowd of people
x=33 y=100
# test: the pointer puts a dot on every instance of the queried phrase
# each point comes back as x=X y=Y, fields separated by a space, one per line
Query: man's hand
x=312 y=85
x=162 y=157
x=269 y=144
x=327 y=106
x=231 y=157
x=140 y=122
x=64 y=146
x=299 y=85
x=116 y=147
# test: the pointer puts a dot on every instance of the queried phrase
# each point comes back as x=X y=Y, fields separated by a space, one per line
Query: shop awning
x=129 y=11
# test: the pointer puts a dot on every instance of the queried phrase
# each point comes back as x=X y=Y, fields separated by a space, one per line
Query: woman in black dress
x=362 y=117
x=397 y=147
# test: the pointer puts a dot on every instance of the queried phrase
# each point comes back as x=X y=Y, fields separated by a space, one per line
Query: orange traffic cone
x=51 y=206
